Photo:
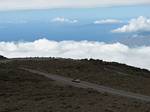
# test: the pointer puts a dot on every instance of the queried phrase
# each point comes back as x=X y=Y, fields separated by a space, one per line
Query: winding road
x=84 y=84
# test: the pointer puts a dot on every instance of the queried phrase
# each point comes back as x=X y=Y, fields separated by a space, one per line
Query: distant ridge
x=2 y=57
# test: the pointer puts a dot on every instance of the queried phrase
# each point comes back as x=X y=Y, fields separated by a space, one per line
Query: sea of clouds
x=137 y=56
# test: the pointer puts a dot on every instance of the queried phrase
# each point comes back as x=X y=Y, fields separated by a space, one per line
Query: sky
x=112 y=30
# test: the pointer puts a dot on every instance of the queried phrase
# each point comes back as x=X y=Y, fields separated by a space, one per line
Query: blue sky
x=121 y=12
x=33 y=24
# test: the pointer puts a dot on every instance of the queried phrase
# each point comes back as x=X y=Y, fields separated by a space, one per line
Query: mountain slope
x=23 y=91
x=2 y=57
x=111 y=74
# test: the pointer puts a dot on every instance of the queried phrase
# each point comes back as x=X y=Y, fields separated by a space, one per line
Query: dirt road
x=84 y=84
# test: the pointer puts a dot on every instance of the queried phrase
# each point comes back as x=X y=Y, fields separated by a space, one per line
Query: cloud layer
x=138 y=57
x=64 y=20
x=135 y=25
x=107 y=21
x=45 y=4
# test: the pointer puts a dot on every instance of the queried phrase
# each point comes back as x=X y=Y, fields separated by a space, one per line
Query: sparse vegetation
x=22 y=91
x=110 y=74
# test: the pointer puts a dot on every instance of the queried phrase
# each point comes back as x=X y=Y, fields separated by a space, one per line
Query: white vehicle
x=76 y=80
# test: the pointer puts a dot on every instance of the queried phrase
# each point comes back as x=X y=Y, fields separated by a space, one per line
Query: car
x=76 y=80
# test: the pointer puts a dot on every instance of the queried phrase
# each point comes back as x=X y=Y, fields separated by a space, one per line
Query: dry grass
x=114 y=75
x=21 y=91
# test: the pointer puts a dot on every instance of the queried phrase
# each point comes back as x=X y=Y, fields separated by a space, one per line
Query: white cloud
x=107 y=21
x=135 y=25
x=64 y=20
x=138 y=57
x=44 y=4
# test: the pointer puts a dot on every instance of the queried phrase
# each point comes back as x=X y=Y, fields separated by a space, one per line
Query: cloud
x=135 y=25
x=64 y=20
x=107 y=21
x=45 y=4
x=117 y=52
